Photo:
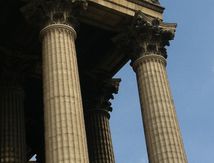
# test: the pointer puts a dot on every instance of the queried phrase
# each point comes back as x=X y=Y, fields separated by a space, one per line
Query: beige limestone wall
x=163 y=138
x=65 y=136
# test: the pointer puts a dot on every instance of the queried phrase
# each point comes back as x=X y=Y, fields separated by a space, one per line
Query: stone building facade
x=58 y=59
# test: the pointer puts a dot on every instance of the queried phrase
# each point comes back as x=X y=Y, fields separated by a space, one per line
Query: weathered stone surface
x=129 y=7
x=163 y=138
x=42 y=12
x=12 y=125
x=99 y=136
x=65 y=135
x=64 y=124
x=146 y=35
x=97 y=108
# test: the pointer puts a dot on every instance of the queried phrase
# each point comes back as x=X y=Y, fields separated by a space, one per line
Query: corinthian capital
x=151 y=35
x=15 y=66
x=145 y=36
x=98 y=94
x=52 y=11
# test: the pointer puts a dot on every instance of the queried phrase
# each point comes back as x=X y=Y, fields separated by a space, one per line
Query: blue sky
x=191 y=75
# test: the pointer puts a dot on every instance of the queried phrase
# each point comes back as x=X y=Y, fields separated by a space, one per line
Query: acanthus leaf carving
x=98 y=95
x=52 y=11
x=145 y=36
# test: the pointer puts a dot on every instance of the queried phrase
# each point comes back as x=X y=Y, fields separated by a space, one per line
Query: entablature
x=117 y=13
x=129 y=7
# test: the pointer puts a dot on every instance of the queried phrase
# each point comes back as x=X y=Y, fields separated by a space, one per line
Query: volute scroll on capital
x=46 y=12
x=147 y=35
x=151 y=35
x=99 y=96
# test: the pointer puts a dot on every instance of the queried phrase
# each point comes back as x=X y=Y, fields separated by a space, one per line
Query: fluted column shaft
x=163 y=138
x=65 y=136
x=99 y=136
x=12 y=126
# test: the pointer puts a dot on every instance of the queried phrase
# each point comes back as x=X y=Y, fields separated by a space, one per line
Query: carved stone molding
x=151 y=35
x=45 y=12
x=146 y=36
x=15 y=66
x=97 y=108
x=154 y=1
x=150 y=1
x=97 y=96
x=152 y=4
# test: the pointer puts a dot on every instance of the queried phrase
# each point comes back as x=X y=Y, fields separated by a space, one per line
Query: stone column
x=65 y=136
x=12 y=125
x=163 y=137
x=97 y=117
x=99 y=136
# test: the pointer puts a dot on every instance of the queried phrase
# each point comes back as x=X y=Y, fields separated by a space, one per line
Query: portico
x=58 y=105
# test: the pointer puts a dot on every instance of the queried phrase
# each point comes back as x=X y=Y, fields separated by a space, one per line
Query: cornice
x=154 y=6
